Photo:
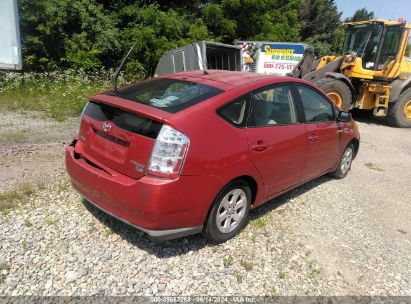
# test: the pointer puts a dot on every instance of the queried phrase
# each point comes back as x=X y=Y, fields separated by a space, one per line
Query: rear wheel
x=337 y=91
x=229 y=213
x=345 y=163
x=399 y=114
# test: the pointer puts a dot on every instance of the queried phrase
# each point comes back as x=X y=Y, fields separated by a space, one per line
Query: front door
x=322 y=132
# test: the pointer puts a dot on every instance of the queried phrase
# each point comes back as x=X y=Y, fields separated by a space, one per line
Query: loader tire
x=337 y=91
x=399 y=113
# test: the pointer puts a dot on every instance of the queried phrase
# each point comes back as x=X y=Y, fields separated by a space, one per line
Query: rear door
x=276 y=137
x=322 y=132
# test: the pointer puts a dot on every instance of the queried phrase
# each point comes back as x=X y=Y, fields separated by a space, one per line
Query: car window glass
x=316 y=107
x=235 y=111
x=273 y=106
x=171 y=95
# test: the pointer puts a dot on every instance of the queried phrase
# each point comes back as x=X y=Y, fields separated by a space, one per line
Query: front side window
x=316 y=107
x=171 y=95
x=273 y=106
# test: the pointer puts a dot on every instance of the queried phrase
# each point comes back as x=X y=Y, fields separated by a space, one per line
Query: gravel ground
x=328 y=237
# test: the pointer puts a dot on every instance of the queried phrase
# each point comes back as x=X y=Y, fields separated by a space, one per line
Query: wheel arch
x=399 y=86
x=356 y=143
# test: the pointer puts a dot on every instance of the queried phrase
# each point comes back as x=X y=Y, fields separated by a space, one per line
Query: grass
x=373 y=166
x=240 y=278
x=281 y=275
x=60 y=94
x=12 y=198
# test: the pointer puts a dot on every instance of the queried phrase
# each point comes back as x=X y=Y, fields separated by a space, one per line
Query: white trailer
x=10 y=47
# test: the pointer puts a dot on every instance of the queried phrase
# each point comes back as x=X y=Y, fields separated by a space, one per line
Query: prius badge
x=106 y=126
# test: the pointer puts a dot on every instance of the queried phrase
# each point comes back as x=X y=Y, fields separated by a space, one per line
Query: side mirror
x=344 y=116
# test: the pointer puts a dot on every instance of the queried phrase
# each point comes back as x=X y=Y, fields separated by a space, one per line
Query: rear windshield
x=170 y=95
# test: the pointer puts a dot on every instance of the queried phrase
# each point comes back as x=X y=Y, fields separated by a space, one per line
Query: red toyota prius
x=193 y=152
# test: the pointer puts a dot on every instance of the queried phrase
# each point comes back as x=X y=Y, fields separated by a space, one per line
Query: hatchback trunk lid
x=122 y=138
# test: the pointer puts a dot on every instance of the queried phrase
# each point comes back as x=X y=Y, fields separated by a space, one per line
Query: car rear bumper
x=155 y=235
x=162 y=208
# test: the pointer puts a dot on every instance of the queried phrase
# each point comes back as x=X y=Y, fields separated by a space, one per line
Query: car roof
x=225 y=79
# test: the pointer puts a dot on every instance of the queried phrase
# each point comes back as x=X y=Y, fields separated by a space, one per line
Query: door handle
x=260 y=146
x=312 y=138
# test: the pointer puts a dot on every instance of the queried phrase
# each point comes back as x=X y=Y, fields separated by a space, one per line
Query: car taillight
x=168 y=153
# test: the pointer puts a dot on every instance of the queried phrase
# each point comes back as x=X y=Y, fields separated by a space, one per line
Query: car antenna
x=200 y=58
x=120 y=67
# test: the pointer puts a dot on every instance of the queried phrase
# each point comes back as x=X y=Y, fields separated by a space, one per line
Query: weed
x=108 y=231
x=314 y=270
x=240 y=278
x=281 y=275
x=228 y=260
x=3 y=266
x=373 y=166
x=27 y=222
x=280 y=211
x=50 y=222
x=247 y=265
x=24 y=244
x=261 y=222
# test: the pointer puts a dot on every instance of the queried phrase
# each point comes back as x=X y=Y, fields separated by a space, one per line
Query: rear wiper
x=115 y=76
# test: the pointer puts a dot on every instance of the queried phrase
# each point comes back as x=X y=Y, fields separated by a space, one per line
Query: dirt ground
x=328 y=237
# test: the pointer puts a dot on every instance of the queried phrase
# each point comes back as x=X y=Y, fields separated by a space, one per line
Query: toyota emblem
x=106 y=126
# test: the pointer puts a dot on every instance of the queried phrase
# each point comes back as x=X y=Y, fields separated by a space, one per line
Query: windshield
x=170 y=95
x=364 y=40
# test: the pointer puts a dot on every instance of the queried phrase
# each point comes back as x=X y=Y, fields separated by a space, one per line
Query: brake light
x=168 y=153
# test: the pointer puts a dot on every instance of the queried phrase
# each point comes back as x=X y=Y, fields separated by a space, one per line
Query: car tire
x=229 y=212
x=344 y=166
x=337 y=91
x=398 y=115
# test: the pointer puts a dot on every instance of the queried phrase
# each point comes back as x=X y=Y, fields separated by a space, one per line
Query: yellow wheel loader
x=374 y=72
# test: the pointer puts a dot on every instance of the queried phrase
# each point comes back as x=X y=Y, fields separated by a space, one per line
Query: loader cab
x=376 y=43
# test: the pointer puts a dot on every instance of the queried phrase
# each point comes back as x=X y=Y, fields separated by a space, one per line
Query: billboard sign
x=272 y=58
x=10 y=49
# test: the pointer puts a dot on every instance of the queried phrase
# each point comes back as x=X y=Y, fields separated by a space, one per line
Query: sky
x=384 y=9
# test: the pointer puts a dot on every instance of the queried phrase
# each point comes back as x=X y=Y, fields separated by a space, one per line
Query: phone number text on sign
x=279 y=66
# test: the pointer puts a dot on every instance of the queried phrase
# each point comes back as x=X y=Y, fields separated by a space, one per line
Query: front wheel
x=229 y=213
x=345 y=163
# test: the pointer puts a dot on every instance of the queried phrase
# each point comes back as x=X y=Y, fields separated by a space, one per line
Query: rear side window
x=170 y=95
x=235 y=112
x=316 y=107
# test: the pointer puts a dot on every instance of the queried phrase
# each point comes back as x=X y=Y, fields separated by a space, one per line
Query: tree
x=318 y=18
x=320 y=26
x=361 y=15
x=64 y=33
x=275 y=20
